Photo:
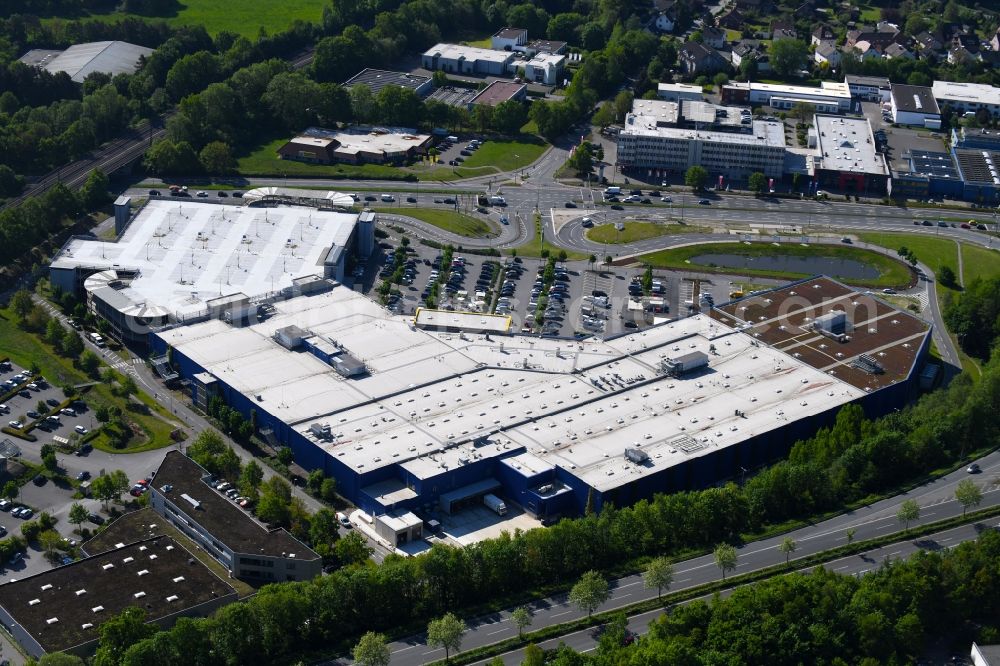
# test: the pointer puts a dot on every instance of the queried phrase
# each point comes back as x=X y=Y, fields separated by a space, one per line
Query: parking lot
x=41 y=494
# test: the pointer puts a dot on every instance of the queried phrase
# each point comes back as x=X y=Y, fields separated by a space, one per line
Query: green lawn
x=449 y=220
x=892 y=273
x=935 y=251
x=243 y=17
x=637 y=231
x=504 y=155
x=979 y=262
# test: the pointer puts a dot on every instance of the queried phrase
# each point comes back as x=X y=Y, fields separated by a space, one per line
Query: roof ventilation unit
x=636 y=456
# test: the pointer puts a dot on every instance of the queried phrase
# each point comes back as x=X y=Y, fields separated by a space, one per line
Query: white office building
x=657 y=136
x=545 y=68
x=675 y=92
x=967 y=97
x=459 y=59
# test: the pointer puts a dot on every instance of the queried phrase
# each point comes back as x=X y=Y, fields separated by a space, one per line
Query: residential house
x=967 y=41
x=960 y=54
x=751 y=49
x=732 y=20
x=783 y=29
x=828 y=53
x=929 y=46
x=865 y=50
x=665 y=22
x=696 y=59
x=713 y=37
x=897 y=51
x=823 y=34
x=875 y=38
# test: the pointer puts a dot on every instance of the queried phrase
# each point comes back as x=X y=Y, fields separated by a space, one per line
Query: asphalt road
x=586 y=640
x=936 y=499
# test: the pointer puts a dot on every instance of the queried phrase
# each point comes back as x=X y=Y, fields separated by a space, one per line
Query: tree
x=90 y=362
x=725 y=558
x=757 y=182
x=787 y=546
x=851 y=531
x=323 y=527
x=229 y=464
x=167 y=157
x=352 y=549
x=11 y=490
x=60 y=659
x=371 y=650
x=21 y=303
x=119 y=483
x=121 y=632
x=509 y=116
x=720 y=80
x=946 y=275
x=54 y=333
x=285 y=456
x=592 y=259
x=968 y=494
x=94 y=192
x=521 y=617
x=696 y=177
x=49 y=541
x=78 y=515
x=50 y=462
x=217 y=158
x=127 y=386
x=803 y=111
x=590 y=592
x=250 y=478
x=582 y=159
x=909 y=511
x=788 y=56
x=659 y=574
x=72 y=344
x=446 y=632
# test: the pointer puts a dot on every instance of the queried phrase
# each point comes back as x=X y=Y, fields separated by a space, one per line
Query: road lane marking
x=563 y=613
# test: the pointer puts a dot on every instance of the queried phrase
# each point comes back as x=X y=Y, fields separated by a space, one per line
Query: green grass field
x=638 y=231
x=934 y=251
x=243 y=17
x=979 y=262
x=505 y=155
x=449 y=220
x=892 y=273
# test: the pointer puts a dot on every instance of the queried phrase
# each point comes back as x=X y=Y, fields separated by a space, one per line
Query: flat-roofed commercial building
x=869 y=88
x=356 y=145
x=967 y=97
x=460 y=59
x=178 y=255
x=499 y=92
x=544 y=68
x=376 y=79
x=846 y=158
x=673 y=136
x=676 y=92
x=915 y=105
x=445 y=416
x=81 y=60
x=62 y=610
x=830 y=97
x=181 y=494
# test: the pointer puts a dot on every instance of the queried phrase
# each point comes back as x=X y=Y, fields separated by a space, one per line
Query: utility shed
x=680 y=365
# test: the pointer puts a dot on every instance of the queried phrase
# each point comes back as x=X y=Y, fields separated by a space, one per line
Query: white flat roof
x=378 y=141
x=546 y=60
x=189 y=252
x=826 y=89
x=970 y=93
x=456 y=51
x=466 y=321
x=573 y=403
x=647 y=114
x=846 y=144
x=681 y=88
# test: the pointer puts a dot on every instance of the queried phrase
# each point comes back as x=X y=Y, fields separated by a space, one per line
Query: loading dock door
x=461 y=497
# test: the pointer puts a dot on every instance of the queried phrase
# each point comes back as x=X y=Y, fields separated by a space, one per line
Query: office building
x=672 y=136
x=915 y=105
x=846 y=158
x=459 y=59
x=830 y=97
x=967 y=97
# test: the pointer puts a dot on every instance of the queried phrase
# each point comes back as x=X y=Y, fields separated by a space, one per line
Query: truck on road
x=496 y=504
x=614 y=190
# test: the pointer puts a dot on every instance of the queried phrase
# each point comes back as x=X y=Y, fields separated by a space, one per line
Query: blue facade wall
x=520 y=488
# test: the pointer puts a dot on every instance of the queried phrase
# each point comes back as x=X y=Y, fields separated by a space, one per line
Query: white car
x=14 y=424
x=202 y=193
x=80 y=429
x=666 y=200
x=587 y=222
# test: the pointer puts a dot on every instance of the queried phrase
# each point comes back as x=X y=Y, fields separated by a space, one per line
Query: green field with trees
x=638 y=231
x=892 y=272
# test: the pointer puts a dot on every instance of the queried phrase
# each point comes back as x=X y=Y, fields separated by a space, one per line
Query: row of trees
x=974 y=316
x=851 y=460
x=888 y=616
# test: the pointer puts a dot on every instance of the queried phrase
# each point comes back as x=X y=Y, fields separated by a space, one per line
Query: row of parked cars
x=512 y=273
x=16 y=510
x=227 y=489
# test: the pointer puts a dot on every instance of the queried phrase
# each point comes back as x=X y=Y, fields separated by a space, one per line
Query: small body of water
x=833 y=266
